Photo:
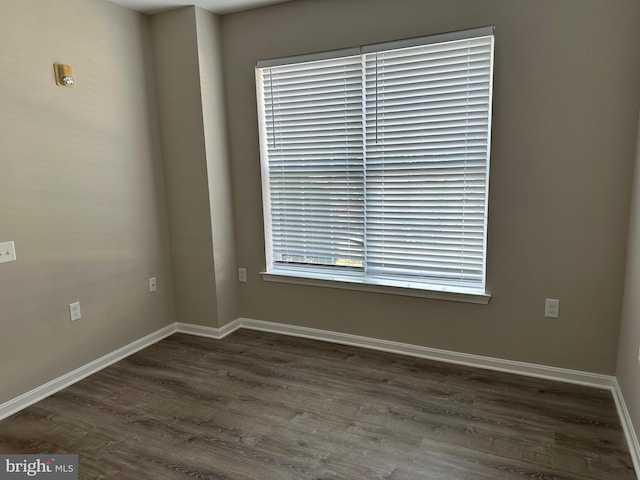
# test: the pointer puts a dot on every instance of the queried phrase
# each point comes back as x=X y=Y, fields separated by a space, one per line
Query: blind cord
x=273 y=121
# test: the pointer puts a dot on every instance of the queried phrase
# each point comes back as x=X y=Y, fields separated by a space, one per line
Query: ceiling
x=217 y=6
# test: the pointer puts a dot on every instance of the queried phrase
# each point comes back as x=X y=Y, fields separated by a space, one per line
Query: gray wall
x=180 y=106
x=192 y=118
x=565 y=111
x=628 y=370
x=218 y=167
x=81 y=189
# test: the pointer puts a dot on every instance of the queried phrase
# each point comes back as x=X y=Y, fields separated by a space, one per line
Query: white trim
x=627 y=426
x=489 y=363
x=478 y=361
x=39 y=393
x=485 y=31
x=209 y=332
x=430 y=39
x=589 y=379
x=309 y=57
x=354 y=282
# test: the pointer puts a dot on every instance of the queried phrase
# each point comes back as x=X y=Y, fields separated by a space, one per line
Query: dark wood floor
x=269 y=407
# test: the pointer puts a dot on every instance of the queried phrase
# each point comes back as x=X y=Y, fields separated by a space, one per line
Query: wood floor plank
x=271 y=407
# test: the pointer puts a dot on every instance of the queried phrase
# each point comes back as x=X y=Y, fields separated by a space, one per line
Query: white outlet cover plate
x=7 y=252
x=552 y=308
x=74 y=311
x=242 y=274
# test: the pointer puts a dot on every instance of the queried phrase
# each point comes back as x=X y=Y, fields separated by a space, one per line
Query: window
x=375 y=163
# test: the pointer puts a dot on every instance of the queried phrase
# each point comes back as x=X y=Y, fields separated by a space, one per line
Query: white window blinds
x=427 y=144
x=378 y=162
x=312 y=131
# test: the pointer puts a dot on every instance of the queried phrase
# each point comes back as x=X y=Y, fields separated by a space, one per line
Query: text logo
x=50 y=467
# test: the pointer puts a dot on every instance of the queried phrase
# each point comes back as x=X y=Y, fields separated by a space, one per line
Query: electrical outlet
x=242 y=274
x=7 y=252
x=552 y=308
x=153 y=286
x=74 y=311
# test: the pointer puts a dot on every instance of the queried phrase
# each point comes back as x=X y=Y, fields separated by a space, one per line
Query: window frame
x=333 y=277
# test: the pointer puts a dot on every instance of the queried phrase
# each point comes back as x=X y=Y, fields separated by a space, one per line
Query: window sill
x=411 y=289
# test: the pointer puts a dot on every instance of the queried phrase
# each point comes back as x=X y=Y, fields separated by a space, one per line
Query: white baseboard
x=209 y=332
x=23 y=401
x=627 y=426
x=510 y=366
x=478 y=361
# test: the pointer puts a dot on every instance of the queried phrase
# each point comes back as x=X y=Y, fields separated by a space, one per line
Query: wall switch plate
x=153 y=286
x=638 y=356
x=74 y=311
x=242 y=274
x=552 y=308
x=7 y=252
